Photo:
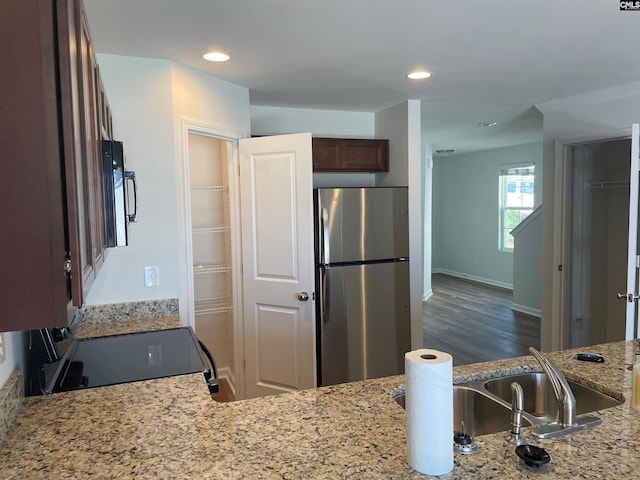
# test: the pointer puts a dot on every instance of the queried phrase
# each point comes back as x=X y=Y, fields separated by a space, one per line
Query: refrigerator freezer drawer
x=364 y=321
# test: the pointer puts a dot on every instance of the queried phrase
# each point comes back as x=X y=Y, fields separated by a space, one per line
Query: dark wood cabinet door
x=365 y=155
x=34 y=289
x=350 y=155
x=91 y=248
x=50 y=130
x=105 y=125
x=79 y=131
x=71 y=115
x=325 y=154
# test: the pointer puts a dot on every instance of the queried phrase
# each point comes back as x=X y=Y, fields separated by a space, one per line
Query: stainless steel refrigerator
x=362 y=281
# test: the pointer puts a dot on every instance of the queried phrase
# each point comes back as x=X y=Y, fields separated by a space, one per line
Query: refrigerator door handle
x=324 y=295
x=324 y=229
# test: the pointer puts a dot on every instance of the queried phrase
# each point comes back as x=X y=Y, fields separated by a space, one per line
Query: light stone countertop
x=101 y=329
x=171 y=429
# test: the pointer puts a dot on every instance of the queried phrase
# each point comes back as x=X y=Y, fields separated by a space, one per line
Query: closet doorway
x=598 y=236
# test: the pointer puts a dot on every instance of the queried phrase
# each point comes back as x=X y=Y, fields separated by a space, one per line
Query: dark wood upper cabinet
x=51 y=247
x=350 y=155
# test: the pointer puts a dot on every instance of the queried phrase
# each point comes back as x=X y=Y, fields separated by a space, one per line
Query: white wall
x=605 y=113
x=321 y=123
x=393 y=123
x=139 y=92
x=401 y=125
x=206 y=99
x=148 y=97
x=465 y=213
x=13 y=349
x=527 y=265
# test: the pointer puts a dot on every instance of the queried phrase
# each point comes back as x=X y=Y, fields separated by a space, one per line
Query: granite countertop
x=171 y=428
x=100 y=329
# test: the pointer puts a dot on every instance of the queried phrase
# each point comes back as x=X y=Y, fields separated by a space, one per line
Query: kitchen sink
x=539 y=399
x=484 y=406
x=474 y=412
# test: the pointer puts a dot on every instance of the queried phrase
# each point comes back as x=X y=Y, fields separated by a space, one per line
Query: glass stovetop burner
x=130 y=357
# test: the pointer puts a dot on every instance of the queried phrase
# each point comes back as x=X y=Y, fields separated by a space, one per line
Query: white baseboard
x=487 y=281
x=226 y=373
x=427 y=295
x=534 y=312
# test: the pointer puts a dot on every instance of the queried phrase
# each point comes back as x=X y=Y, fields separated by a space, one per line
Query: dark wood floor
x=225 y=394
x=474 y=322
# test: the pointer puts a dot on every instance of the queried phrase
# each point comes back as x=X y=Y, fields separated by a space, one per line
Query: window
x=516 y=200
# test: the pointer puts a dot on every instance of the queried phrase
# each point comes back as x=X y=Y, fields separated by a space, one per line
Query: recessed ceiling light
x=487 y=124
x=444 y=152
x=419 y=75
x=216 y=57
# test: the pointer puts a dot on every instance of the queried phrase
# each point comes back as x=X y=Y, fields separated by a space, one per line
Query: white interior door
x=633 y=259
x=276 y=201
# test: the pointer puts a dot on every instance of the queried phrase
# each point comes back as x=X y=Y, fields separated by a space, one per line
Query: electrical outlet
x=151 y=277
x=3 y=348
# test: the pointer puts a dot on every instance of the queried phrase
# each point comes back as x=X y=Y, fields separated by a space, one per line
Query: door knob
x=629 y=297
x=303 y=296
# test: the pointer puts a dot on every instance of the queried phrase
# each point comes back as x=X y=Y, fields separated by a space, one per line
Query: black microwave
x=116 y=195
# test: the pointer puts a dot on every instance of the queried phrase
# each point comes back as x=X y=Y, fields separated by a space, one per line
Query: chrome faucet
x=564 y=396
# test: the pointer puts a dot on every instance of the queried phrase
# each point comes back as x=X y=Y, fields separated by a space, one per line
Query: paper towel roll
x=429 y=407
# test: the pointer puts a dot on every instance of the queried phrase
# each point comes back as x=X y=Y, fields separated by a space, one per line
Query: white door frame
x=186 y=297
x=631 y=327
x=559 y=325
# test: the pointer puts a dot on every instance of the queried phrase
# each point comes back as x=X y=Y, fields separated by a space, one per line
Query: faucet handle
x=551 y=369
x=564 y=396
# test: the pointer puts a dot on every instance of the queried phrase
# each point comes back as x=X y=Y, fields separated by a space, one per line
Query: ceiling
x=492 y=61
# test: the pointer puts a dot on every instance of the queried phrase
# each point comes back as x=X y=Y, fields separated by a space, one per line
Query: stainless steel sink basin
x=539 y=399
x=474 y=412
x=484 y=406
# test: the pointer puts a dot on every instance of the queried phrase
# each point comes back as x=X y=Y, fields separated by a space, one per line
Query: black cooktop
x=99 y=361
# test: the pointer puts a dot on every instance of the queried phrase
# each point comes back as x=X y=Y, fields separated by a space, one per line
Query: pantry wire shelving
x=213 y=306
x=211 y=245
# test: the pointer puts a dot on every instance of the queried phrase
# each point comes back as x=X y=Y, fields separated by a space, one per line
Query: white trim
x=527 y=221
x=185 y=301
x=211 y=130
x=632 y=250
x=607 y=136
x=427 y=295
x=487 y=281
x=534 y=312
x=557 y=326
x=227 y=374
